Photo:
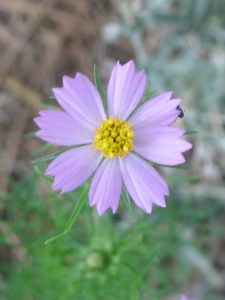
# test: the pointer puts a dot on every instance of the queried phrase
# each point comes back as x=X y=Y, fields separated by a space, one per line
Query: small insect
x=181 y=114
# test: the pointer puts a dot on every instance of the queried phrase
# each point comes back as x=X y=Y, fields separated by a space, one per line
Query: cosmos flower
x=184 y=297
x=114 y=146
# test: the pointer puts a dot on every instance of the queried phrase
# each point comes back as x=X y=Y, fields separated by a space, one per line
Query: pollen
x=114 y=138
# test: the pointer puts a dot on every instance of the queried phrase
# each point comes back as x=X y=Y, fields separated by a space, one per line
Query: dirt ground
x=40 y=41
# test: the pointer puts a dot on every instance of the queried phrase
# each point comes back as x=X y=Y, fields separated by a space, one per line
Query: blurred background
x=180 y=249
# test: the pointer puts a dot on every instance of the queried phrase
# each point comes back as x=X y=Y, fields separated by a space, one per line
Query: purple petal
x=106 y=186
x=184 y=297
x=59 y=128
x=80 y=99
x=125 y=90
x=161 y=145
x=158 y=111
x=143 y=182
x=73 y=168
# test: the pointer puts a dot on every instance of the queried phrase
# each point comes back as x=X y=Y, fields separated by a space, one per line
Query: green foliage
x=104 y=257
x=74 y=215
x=41 y=174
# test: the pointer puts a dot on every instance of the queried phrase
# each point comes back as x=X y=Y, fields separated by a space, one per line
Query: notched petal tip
x=125 y=89
x=188 y=145
x=128 y=63
x=143 y=183
x=67 y=78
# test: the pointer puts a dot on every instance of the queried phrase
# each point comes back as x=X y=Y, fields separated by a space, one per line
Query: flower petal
x=73 y=167
x=158 y=111
x=106 y=186
x=143 y=182
x=184 y=297
x=81 y=100
x=161 y=145
x=59 y=128
x=125 y=90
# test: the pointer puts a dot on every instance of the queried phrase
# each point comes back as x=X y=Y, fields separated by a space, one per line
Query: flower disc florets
x=113 y=137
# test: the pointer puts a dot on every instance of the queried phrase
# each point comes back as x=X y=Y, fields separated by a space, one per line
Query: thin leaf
x=99 y=86
x=190 y=178
x=77 y=209
x=127 y=201
x=148 y=95
x=72 y=218
x=30 y=135
x=50 y=156
x=191 y=132
x=42 y=175
x=50 y=106
x=54 y=238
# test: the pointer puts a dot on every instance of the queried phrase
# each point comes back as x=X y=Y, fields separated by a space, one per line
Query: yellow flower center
x=113 y=137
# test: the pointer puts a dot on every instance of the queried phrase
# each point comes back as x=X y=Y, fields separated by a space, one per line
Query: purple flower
x=113 y=146
x=184 y=297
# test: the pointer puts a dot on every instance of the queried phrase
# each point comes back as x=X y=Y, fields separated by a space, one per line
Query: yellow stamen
x=114 y=138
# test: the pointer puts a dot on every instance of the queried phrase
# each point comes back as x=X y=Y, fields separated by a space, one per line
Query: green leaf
x=50 y=156
x=190 y=178
x=148 y=95
x=127 y=201
x=50 y=106
x=99 y=86
x=72 y=218
x=41 y=174
x=30 y=135
x=179 y=167
x=191 y=132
